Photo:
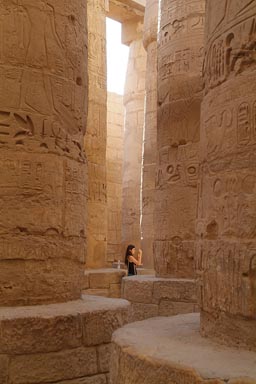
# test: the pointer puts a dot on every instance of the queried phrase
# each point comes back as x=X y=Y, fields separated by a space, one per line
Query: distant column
x=134 y=98
x=43 y=65
x=96 y=136
x=150 y=131
x=180 y=58
x=227 y=209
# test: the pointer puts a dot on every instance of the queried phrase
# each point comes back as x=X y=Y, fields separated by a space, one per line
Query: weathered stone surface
x=153 y=296
x=141 y=311
x=96 y=136
x=102 y=278
x=104 y=354
x=172 y=308
x=56 y=327
x=150 y=131
x=180 y=57
x=43 y=174
x=226 y=260
x=137 y=289
x=44 y=368
x=175 y=290
x=98 y=329
x=4 y=363
x=171 y=350
x=96 y=379
x=133 y=136
x=115 y=156
x=115 y=290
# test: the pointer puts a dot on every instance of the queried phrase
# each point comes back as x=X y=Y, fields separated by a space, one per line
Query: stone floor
x=171 y=350
x=59 y=343
x=152 y=296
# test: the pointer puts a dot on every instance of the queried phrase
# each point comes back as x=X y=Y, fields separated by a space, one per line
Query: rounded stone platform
x=59 y=343
x=171 y=350
x=152 y=296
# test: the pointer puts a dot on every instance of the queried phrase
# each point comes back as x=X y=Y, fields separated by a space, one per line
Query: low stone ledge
x=171 y=350
x=103 y=282
x=59 y=342
x=152 y=296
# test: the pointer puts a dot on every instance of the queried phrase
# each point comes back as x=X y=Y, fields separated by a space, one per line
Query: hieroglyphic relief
x=43 y=81
x=234 y=51
x=55 y=89
x=180 y=58
x=227 y=206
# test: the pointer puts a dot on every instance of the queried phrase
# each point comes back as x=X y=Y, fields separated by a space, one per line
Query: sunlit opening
x=117 y=58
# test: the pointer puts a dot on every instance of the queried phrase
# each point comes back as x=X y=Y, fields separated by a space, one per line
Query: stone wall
x=134 y=120
x=43 y=99
x=150 y=131
x=180 y=58
x=96 y=136
x=227 y=209
x=115 y=155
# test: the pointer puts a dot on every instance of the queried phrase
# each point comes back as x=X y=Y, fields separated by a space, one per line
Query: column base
x=154 y=296
x=171 y=350
x=59 y=342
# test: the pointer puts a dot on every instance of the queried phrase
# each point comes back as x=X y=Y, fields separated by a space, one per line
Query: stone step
x=171 y=350
x=58 y=342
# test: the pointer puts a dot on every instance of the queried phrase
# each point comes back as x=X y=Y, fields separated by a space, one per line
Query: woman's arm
x=135 y=261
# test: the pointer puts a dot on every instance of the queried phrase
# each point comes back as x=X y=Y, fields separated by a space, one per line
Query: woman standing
x=131 y=261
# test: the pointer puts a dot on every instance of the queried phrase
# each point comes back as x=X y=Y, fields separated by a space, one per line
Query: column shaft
x=96 y=136
x=43 y=98
x=227 y=214
x=150 y=131
x=180 y=57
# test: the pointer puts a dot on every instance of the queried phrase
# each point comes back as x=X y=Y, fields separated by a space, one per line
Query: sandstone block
x=115 y=290
x=104 y=354
x=98 y=329
x=96 y=379
x=4 y=364
x=172 y=308
x=140 y=311
x=136 y=289
x=45 y=368
x=175 y=290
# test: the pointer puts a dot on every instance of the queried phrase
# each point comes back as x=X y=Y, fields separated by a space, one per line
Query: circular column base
x=171 y=350
x=59 y=343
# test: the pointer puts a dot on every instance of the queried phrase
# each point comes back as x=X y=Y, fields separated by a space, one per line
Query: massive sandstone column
x=43 y=85
x=149 y=144
x=115 y=154
x=180 y=57
x=134 y=96
x=96 y=136
x=227 y=214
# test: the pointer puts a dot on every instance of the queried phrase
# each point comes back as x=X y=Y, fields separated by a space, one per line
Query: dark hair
x=128 y=253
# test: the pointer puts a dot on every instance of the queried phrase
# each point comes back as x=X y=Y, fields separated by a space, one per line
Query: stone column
x=227 y=210
x=180 y=57
x=134 y=96
x=96 y=136
x=115 y=155
x=43 y=85
x=150 y=127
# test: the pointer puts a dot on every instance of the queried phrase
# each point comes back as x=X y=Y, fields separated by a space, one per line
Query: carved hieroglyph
x=43 y=50
x=115 y=155
x=227 y=209
x=96 y=136
x=133 y=135
x=150 y=127
x=180 y=56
